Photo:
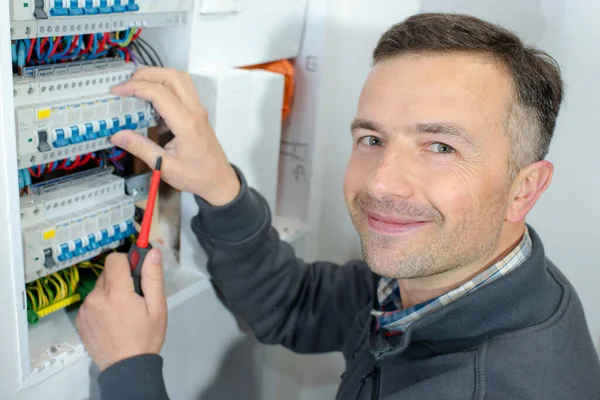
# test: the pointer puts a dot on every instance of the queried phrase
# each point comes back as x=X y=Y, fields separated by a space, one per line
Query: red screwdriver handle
x=136 y=257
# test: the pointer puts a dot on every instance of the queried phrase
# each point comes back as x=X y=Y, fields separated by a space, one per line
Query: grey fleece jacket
x=523 y=336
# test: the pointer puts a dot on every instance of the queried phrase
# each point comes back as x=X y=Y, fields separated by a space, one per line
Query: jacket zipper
x=376 y=382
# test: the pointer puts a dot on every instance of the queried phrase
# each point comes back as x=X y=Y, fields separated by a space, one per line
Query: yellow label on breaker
x=49 y=234
x=43 y=114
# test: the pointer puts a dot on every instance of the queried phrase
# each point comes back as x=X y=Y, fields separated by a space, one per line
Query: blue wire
x=21 y=54
x=95 y=46
x=37 y=49
x=27 y=177
x=51 y=40
x=62 y=54
x=101 y=54
x=14 y=51
x=21 y=179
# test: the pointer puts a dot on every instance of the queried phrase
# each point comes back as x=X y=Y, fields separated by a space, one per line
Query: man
x=456 y=299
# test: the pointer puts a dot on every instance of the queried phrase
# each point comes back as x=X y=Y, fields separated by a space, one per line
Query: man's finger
x=100 y=282
x=153 y=284
x=117 y=273
x=139 y=146
x=175 y=114
x=174 y=80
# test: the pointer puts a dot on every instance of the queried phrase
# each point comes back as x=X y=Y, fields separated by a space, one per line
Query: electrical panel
x=72 y=220
x=54 y=122
x=73 y=202
x=43 y=18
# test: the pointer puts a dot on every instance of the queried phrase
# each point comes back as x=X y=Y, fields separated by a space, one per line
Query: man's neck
x=416 y=291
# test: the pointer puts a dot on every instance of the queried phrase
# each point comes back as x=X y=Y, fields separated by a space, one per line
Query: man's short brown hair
x=536 y=77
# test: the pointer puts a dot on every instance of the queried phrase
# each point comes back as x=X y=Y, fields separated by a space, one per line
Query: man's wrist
x=227 y=189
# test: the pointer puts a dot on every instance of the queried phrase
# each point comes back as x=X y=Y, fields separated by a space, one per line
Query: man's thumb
x=139 y=146
x=153 y=285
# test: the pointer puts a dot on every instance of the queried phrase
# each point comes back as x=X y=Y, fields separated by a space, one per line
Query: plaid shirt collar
x=393 y=319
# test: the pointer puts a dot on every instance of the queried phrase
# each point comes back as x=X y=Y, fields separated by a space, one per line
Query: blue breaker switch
x=64 y=252
x=118 y=7
x=92 y=243
x=111 y=234
x=131 y=6
x=59 y=9
x=75 y=135
x=103 y=129
x=129 y=124
x=116 y=126
x=70 y=250
x=104 y=8
x=89 y=132
x=78 y=247
x=74 y=8
x=89 y=8
x=142 y=121
x=130 y=228
x=118 y=234
x=59 y=138
x=105 y=239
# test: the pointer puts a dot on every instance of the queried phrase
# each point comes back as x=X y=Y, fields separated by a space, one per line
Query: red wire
x=89 y=46
x=85 y=160
x=55 y=47
x=103 y=44
x=117 y=158
x=72 y=166
x=73 y=45
x=30 y=51
x=139 y=32
x=64 y=164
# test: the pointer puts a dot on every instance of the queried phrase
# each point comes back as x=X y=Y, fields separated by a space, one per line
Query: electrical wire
x=144 y=43
x=59 y=49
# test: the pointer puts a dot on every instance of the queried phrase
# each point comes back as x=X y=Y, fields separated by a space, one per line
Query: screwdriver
x=140 y=249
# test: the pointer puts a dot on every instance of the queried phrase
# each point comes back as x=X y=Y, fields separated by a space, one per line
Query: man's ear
x=529 y=185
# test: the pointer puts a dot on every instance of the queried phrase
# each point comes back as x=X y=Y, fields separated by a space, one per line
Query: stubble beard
x=434 y=248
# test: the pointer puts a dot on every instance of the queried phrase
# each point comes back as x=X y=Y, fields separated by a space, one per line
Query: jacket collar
x=527 y=296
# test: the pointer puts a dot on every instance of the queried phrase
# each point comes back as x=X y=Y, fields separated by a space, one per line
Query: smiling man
x=455 y=298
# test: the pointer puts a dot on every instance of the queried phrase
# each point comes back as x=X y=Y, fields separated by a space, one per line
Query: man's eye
x=370 y=141
x=441 y=148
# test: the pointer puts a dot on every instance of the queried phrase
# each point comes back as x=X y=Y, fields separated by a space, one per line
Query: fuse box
x=71 y=220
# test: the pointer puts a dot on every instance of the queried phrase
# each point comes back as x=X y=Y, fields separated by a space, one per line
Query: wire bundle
x=57 y=49
x=61 y=289
x=113 y=155
x=52 y=293
x=64 y=288
x=145 y=54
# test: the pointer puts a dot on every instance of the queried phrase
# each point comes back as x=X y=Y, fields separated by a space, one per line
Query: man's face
x=426 y=182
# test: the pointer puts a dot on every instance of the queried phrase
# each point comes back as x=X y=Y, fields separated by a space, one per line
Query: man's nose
x=394 y=175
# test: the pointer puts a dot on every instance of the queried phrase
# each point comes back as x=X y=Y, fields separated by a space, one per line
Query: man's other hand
x=114 y=322
x=194 y=160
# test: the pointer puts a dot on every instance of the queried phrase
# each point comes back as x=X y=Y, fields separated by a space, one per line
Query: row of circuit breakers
x=79 y=216
x=66 y=110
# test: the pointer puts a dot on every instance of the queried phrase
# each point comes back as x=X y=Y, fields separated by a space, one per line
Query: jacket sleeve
x=306 y=307
x=136 y=378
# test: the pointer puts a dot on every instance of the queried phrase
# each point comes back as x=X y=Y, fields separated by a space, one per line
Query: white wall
x=567 y=216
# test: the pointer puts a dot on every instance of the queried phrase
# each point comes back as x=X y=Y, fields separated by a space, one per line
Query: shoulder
x=553 y=359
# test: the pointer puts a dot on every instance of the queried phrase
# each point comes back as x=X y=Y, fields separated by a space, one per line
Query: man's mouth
x=390 y=225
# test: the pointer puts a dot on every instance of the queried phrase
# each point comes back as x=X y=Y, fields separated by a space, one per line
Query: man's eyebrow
x=443 y=128
x=365 y=124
